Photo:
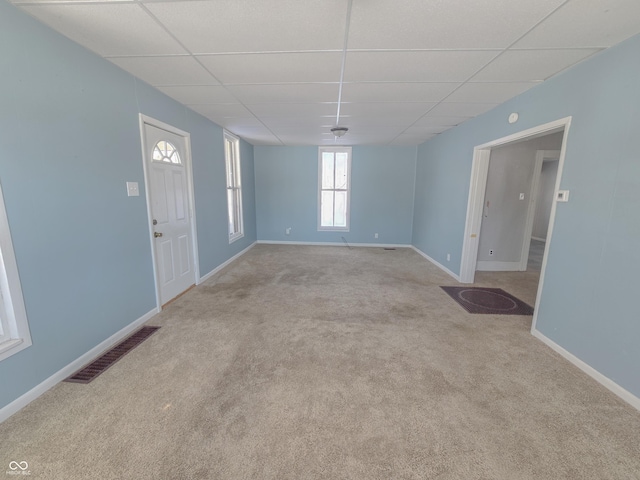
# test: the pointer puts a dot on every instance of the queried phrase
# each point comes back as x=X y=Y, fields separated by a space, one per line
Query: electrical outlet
x=287 y=231
x=490 y=252
x=375 y=235
x=448 y=257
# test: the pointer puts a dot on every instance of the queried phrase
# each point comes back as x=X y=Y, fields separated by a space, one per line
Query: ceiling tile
x=253 y=134
x=396 y=92
x=275 y=67
x=221 y=110
x=108 y=29
x=199 y=94
x=436 y=66
x=294 y=109
x=317 y=121
x=447 y=109
x=175 y=70
x=431 y=120
x=530 y=65
x=420 y=24
x=405 y=109
x=294 y=93
x=250 y=26
x=411 y=140
x=424 y=131
x=586 y=23
x=377 y=121
x=233 y=123
x=489 y=92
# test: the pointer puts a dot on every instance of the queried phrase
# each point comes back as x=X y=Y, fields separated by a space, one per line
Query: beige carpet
x=324 y=362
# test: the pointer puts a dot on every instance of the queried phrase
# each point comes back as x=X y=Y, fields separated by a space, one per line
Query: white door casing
x=168 y=186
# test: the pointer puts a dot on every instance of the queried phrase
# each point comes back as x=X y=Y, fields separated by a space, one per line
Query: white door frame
x=146 y=120
x=477 y=188
x=533 y=202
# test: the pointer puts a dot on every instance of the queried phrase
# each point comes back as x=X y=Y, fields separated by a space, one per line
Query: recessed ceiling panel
x=586 y=23
x=199 y=94
x=434 y=66
x=254 y=26
x=489 y=92
x=108 y=29
x=294 y=93
x=420 y=24
x=176 y=70
x=274 y=67
x=396 y=92
x=530 y=65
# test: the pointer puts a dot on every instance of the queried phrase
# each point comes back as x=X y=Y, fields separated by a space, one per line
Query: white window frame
x=15 y=335
x=234 y=185
x=334 y=150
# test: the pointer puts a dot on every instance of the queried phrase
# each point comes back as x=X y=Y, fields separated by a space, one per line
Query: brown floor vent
x=88 y=373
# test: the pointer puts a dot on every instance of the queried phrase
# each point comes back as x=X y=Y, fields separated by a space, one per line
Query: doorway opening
x=505 y=209
x=169 y=192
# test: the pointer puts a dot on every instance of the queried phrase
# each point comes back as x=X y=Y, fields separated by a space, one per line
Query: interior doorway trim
x=533 y=203
x=479 y=172
x=146 y=120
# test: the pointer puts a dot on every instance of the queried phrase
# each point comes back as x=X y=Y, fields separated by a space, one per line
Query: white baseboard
x=335 y=244
x=222 y=265
x=53 y=380
x=487 y=266
x=437 y=264
x=544 y=240
x=625 y=395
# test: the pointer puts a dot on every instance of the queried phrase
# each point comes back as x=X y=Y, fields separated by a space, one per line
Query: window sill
x=333 y=229
x=235 y=237
x=9 y=347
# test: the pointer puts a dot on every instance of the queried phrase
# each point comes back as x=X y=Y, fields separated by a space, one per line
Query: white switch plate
x=563 y=196
x=522 y=196
x=132 y=189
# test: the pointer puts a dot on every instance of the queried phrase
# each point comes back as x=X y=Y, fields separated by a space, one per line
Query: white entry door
x=168 y=187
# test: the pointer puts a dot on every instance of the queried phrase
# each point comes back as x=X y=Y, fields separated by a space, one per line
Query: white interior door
x=168 y=187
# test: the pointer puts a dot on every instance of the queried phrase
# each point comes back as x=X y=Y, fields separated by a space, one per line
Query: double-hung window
x=234 y=186
x=14 y=329
x=334 y=174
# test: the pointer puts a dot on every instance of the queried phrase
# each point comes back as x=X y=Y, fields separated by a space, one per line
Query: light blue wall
x=382 y=180
x=69 y=140
x=588 y=305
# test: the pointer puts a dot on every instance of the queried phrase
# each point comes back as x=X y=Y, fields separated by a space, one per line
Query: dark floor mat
x=494 y=301
x=89 y=372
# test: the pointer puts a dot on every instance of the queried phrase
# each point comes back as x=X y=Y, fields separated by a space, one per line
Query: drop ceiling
x=395 y=72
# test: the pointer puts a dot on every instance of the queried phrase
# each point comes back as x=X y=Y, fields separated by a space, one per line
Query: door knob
x=157 y=234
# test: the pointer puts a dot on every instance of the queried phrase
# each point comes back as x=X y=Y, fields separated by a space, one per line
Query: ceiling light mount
x=339 y=131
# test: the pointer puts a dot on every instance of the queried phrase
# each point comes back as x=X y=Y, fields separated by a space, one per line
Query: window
x=166 y=152
x=234 y=186
x=334 y=173
x=14 y=330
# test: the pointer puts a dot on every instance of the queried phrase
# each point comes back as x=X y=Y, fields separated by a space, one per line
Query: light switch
x=132 y=189
x=522 y=196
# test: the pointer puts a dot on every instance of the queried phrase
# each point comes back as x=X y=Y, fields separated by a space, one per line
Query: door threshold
x=177 y=296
